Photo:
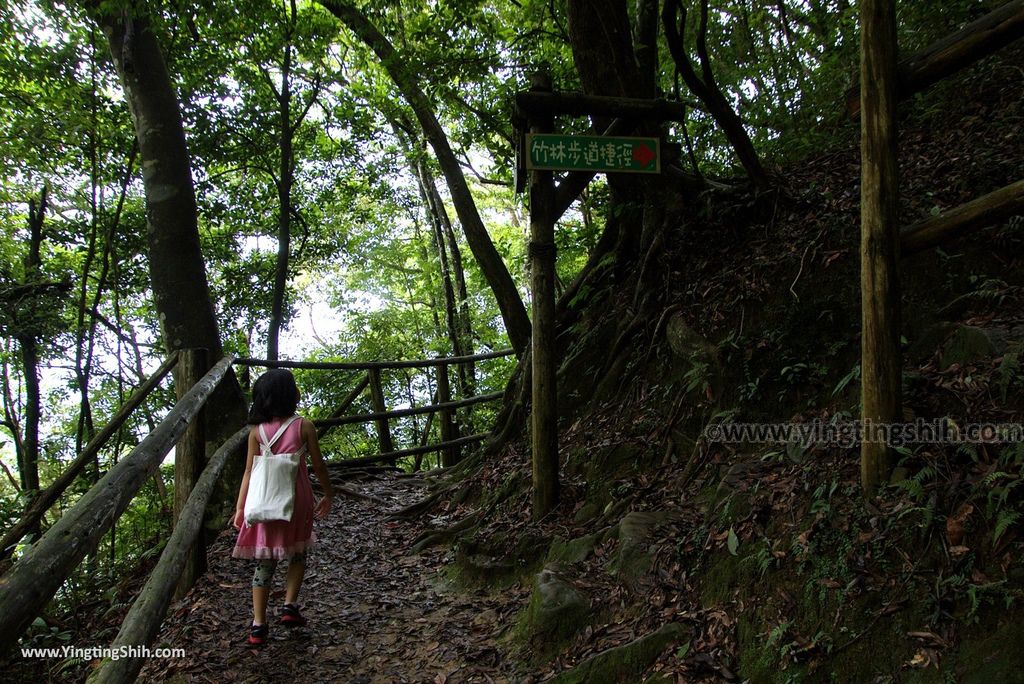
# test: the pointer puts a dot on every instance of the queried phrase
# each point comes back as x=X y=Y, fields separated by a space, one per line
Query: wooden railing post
x=142 y=623
x=881 y=363
x=450 y=455
x=189 y=457
x=377 y=395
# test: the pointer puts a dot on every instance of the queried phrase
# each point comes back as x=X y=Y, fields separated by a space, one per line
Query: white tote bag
x=271 y=493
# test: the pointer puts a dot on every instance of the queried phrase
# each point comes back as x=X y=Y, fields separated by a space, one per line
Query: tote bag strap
x=265 y=444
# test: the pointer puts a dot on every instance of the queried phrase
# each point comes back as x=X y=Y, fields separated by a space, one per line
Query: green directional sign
x=552 y=152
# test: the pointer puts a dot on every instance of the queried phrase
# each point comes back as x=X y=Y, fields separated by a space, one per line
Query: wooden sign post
x=541 y=152
x=544 y=416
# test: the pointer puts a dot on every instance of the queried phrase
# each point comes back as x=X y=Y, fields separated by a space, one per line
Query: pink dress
x=280 y=539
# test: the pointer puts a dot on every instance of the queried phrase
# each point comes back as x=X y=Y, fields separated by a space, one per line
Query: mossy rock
x=685 y=342
x=726 y=575
x=588 y=511
x=967 y=344
x=625 y=663
x=557 y=611
x=694 y=354
x=573 y=550
x=991 y=650
x=633 y=559
x=923 y=345
x=608 y=464
x=478 y=565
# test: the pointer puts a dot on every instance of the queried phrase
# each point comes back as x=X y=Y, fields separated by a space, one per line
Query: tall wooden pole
x=189 y=460
x=881 y=365
x=377 y=397
x=450 y=455
x=544 y=365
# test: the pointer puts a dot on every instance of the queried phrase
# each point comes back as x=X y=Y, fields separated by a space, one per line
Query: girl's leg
x=261 y=580
x=293 y=581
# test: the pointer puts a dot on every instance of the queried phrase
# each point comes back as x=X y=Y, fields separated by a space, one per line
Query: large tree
x=177 y=272
x=491 y=264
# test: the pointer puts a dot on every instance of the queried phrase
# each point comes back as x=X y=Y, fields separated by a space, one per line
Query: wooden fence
x=33 y=580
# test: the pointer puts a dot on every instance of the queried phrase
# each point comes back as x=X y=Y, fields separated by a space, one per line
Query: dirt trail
x=375 y=613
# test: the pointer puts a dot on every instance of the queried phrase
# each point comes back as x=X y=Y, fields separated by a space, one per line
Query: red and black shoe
x=291 y=617
x=258 y=634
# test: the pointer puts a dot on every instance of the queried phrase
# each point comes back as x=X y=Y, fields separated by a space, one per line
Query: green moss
x=726 y=575
x=557 y=611
x=633 y=559
x=625 y=663
x=573 y=550
x=966 y=345
x=990 y=651
x=479 y=565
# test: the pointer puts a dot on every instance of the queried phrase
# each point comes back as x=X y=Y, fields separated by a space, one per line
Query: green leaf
x=733 y=542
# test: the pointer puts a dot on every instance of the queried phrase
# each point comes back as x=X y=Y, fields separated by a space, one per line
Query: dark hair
x=274 y=395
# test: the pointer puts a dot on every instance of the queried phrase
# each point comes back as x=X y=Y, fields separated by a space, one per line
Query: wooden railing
x=450 y=444
x=33 y=580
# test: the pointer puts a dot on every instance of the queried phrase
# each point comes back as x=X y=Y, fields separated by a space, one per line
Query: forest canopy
x=328 y=222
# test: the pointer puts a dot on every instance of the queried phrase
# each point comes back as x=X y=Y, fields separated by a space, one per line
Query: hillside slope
x=762 y=562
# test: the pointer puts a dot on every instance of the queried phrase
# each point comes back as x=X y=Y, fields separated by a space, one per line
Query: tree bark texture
x=189 y=460
x=881 y=365
x=181 y=293
x=285 y=181
x=28 y=342
x=544 y=400
x=177 y=270
x=379 y=407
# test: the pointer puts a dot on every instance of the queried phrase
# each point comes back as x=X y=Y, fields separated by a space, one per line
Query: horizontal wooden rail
x=49 y=496
x=33 y=580
x=140 y=627
x=947 y=55
x=402 y=413
x=367 y=365
x=349 y=399
x=984 y=211
x=366 y=460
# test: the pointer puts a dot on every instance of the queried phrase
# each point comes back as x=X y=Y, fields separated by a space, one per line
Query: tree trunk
x=189 y=461
x=544 y=350
x=645 y=39
x=285 y=181
x=513 y=312
x=177 y=271
x=379 y=406
x=707 y=90
x=28 y=341
x=881 y=365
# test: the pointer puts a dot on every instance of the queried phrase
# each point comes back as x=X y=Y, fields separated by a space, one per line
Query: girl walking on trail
x=272 y=415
